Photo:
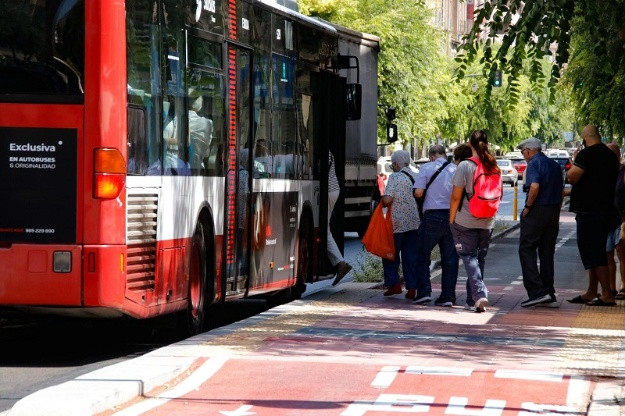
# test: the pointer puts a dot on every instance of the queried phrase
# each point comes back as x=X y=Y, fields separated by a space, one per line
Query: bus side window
x=137 y=140
x=174 y=162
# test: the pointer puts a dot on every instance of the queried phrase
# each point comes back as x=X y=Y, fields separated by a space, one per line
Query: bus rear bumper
x=51 y=277
x=27 y=275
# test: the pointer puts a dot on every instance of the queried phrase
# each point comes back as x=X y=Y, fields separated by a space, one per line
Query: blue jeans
x=472 y=246
x=405 y=244
x=434 y=229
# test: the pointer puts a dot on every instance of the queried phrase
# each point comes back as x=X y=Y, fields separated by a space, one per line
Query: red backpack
x=487 y=191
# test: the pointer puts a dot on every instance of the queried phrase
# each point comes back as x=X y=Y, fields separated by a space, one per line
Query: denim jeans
x=472 y=246
x=434 y=229
x=405 y=244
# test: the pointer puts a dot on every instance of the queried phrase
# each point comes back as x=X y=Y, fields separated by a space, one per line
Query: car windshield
x=503 y=163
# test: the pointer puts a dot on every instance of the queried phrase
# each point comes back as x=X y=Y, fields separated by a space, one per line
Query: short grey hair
x=401 y=157
x=437 y=149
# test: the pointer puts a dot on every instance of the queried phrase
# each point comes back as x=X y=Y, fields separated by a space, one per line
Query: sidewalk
x=354 y=323
x=348 y=350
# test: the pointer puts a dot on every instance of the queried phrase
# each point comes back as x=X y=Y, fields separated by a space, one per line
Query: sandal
x=599 y=302
x=620 y=295
x=578 y=299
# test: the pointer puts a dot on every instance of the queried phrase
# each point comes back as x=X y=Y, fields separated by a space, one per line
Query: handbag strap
x=409 y=176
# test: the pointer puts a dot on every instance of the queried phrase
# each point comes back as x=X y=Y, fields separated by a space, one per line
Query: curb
x=106 y=388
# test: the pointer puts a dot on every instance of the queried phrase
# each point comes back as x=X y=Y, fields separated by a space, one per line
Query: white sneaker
x=468 y=307
x=481 y=304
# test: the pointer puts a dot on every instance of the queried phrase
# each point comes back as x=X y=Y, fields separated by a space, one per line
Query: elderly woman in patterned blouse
x=398 y=196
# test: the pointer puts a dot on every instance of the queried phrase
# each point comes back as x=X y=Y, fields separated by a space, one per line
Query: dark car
x=565 y=164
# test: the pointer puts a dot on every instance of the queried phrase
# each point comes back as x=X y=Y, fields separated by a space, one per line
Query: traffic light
x=391 y=132
x=391 y=128
x=497 y=79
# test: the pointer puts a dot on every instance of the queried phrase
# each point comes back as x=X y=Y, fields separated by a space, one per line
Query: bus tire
x=194 y=318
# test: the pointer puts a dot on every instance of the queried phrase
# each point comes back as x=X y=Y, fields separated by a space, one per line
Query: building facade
x=454 y=18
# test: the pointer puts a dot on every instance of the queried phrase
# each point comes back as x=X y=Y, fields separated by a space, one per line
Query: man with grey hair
x=433 y=185
x=398 y=196
x=540 y=223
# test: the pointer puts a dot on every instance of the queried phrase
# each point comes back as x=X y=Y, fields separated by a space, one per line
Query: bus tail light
x=109 y=173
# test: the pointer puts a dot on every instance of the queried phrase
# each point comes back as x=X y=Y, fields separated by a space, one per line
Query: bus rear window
x=41 y=50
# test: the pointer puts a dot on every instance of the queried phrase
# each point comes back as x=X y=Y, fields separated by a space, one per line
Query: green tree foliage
x=415 y=77
x=507 y=117
x=414 y=74
x=586 y=35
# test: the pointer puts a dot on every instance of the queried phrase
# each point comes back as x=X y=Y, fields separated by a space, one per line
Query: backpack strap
x=464 y=190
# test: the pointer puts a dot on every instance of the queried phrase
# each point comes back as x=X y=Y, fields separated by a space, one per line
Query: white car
x=384 y=166
x=508 y=173
x=554 y=153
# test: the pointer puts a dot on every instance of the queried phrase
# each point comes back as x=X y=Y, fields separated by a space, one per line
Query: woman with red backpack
x=474 y=202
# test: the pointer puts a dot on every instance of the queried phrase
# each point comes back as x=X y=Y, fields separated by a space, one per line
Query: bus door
x=329 y=90
x=238 y=177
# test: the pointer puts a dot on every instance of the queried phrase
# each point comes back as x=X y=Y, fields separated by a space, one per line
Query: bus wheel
x=304 y=260
x=194 y=316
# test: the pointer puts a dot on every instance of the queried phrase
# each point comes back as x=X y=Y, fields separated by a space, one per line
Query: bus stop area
x=348 y=350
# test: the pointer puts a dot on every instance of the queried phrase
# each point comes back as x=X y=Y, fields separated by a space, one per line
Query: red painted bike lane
x=382 y=357
x=276 y=388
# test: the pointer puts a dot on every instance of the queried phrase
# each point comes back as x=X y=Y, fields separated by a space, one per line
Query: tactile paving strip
x=287 y=319
x=595 y=344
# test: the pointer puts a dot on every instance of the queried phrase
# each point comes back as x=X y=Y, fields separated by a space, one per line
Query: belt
x=435 y=210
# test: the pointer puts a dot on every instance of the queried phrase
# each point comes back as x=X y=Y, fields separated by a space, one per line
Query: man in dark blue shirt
x=540 y=223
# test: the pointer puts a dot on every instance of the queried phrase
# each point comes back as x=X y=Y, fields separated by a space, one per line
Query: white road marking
x=457 y=406
x=194 y=381
x=529 y=375
x=439 y=371
x=395 y=403
x=566 y=238
x=578 y=392
x=385 y=376
x=241 y=411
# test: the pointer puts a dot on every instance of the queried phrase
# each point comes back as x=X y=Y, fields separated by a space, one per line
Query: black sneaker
x=444 y=302
x=423 y=299
x=552 y=303
x=536 y=300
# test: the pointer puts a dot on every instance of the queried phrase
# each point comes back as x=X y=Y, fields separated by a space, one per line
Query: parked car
x=556 y=153
x=564 y=161
x=508 y=173
x=519 y=165
x=384 y=167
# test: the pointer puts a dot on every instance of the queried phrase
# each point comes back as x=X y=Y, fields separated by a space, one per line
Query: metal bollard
x=515 y=203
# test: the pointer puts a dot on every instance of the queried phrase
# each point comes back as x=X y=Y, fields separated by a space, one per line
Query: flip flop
x=599 y=302
x=578 y=299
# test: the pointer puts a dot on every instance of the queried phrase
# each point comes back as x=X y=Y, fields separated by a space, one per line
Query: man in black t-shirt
x=593 y=176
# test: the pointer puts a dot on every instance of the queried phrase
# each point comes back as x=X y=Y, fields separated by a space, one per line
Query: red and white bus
x=157 y=156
